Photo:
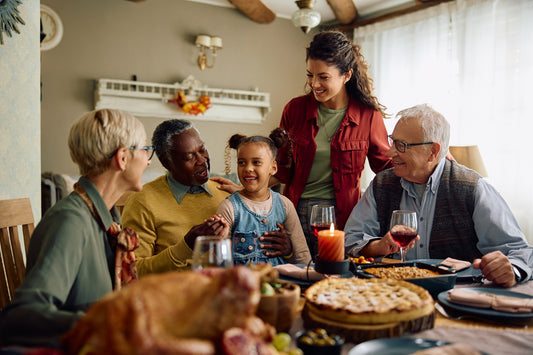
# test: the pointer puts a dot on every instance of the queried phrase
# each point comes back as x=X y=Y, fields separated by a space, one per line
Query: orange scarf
x=123 y=242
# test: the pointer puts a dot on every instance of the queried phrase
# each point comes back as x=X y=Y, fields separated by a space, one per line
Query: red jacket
x=361 y=133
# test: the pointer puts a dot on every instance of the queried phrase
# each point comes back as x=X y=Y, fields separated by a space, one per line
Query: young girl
x=264 y=224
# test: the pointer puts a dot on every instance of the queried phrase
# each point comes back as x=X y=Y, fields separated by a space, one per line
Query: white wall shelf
x=151 y=100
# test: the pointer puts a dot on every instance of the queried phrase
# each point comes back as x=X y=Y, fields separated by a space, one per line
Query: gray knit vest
x=453 y=233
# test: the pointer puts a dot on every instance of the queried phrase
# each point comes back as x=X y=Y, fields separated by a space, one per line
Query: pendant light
x=305 y=17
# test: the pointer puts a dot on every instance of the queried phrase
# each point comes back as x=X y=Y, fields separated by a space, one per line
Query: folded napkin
x=307 y=273
x=457 y=264
x=472 y=299
x=513 y=304
x=486 y=300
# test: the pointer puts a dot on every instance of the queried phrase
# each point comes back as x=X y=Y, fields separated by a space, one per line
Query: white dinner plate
x=395 y=346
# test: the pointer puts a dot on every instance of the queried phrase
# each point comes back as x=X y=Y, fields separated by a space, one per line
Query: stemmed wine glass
x=322 y=216
x=211 y=251
x=403 y=229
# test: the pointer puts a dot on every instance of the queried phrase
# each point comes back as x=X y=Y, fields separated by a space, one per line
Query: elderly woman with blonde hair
x=78 y=252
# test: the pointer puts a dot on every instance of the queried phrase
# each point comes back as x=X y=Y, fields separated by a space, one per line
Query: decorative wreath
x=9 y=16
x=191 y=107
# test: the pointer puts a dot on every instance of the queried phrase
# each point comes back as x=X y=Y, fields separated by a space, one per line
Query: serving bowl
x=445 y=280
x=319 y=342
x=281 y=308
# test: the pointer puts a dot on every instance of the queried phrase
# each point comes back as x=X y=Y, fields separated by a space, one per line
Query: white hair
x=434 y=126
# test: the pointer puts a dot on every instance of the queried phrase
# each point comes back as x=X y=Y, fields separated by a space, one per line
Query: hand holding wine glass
x=403 y=229
x=211 y=251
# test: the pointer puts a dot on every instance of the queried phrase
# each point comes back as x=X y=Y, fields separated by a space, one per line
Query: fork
x=442 y=311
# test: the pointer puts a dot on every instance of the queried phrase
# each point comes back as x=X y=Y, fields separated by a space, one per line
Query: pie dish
x=468 y=275
x=367 y=301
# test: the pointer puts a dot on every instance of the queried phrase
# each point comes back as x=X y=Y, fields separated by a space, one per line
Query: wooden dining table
x=485 y=335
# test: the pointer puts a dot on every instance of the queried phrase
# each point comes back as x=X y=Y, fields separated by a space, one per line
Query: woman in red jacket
x=331 y=131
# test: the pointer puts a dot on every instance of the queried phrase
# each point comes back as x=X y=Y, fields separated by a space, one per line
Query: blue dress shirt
x=495 y=225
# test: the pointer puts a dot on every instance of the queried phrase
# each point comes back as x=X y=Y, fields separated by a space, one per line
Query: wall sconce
x=305 y=17
x=205 y=43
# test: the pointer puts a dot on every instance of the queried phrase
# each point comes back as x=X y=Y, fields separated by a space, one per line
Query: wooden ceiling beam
x=420 y=5
x=344 y=10
x=255 y=10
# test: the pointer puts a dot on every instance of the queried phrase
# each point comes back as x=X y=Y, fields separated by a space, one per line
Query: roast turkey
x=173 y=313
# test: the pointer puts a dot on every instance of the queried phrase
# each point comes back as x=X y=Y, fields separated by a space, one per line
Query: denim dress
x=248 y=226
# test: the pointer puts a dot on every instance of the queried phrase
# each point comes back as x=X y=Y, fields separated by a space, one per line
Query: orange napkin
x=487 y=300
x=307 y=273
x=457 y=264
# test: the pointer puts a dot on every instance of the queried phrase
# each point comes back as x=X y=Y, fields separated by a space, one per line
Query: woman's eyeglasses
x=148 y=149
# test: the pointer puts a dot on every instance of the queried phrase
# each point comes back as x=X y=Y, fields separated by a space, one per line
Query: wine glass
x=322 y=216
x=211 y=251
x=403 y=229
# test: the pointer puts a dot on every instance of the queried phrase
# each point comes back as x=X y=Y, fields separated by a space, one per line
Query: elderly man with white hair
x=460 y=215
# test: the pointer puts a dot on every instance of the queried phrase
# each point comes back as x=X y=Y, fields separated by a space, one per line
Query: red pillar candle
x=331 y=244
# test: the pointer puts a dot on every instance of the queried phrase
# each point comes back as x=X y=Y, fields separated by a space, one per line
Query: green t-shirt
x=320 y=181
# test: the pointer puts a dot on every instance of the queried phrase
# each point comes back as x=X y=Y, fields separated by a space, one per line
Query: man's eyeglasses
x=402 y=146
x=148 y=149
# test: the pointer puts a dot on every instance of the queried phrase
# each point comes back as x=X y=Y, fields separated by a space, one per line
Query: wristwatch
x=517 y=274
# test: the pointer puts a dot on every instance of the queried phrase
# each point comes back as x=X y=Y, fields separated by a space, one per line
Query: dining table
x=488 y=335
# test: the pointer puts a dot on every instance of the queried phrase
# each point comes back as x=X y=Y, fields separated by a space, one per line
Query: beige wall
x=20 y=145
x=154 y=40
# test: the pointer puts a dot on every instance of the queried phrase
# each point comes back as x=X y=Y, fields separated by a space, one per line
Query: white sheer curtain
x=472 y=60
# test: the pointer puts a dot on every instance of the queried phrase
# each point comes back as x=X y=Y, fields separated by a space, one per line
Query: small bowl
x=280 y=309
x=315 y=348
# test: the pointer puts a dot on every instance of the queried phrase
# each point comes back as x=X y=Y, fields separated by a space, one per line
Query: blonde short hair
x=97 y=135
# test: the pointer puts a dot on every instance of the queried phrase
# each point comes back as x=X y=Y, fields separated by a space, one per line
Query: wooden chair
x=13 y=214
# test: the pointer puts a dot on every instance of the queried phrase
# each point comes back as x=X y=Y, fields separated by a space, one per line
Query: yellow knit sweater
x=161 y=223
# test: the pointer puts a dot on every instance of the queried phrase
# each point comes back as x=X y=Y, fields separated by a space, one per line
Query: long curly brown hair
x=334 y=48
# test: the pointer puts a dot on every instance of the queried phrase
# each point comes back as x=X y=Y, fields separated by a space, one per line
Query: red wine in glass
x=322 y=217
x=319 y=227
x=403 y=237
x=403 y=228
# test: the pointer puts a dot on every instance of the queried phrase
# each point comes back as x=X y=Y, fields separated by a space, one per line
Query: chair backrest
x=13 y=214
x=122 y=201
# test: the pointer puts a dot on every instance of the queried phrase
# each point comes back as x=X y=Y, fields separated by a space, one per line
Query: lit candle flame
x=332 y=228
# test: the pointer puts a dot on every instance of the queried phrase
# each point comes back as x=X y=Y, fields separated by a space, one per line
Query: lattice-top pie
x=368 y=301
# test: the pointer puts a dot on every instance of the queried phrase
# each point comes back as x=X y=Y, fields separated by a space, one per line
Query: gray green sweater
x=69 y=266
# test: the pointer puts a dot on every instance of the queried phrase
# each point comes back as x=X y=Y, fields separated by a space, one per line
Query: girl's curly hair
x=278 y=138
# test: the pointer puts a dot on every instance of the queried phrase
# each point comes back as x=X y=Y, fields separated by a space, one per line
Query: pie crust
x=368 y=301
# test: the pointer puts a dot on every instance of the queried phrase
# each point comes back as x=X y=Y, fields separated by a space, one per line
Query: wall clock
x=52 y=28
x=9 y=16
